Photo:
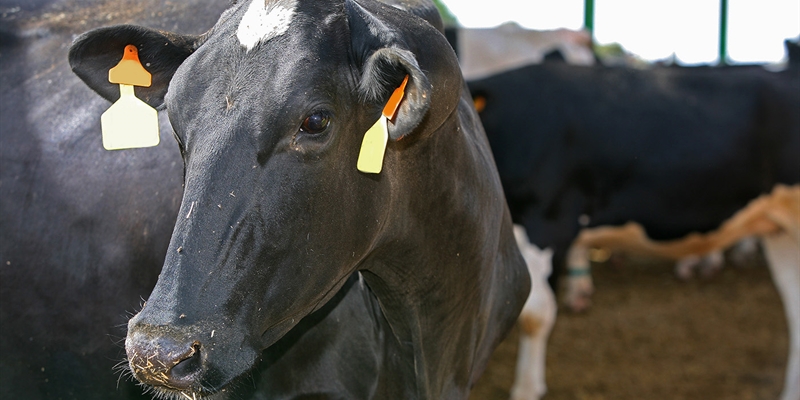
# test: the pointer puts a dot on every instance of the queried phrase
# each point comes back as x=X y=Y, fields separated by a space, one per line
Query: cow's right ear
x=390 y=43
x=161 y=53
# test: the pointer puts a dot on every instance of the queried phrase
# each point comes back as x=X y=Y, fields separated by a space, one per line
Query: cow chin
x=169 y=394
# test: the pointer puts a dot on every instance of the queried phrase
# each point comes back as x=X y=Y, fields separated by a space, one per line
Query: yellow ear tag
x=373 y=147
x=129 y=123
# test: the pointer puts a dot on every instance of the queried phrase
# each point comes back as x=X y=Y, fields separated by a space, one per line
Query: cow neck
x=432 y=324
x=436 y=284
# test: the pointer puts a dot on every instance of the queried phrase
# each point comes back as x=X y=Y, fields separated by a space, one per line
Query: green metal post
x=723 y=32
x=588 y=16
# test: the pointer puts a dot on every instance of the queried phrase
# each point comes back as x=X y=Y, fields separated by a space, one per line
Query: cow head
x=269 y=109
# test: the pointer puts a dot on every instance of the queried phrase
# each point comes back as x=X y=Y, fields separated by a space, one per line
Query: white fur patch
x=264 y=20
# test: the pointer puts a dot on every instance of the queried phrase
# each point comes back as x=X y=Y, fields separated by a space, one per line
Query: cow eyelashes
x=316 y=123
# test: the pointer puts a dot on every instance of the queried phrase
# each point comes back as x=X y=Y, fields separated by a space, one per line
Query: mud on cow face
x=269 y=109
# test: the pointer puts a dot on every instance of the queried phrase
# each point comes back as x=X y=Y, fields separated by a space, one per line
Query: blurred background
x=648 y=334
x=687 y=30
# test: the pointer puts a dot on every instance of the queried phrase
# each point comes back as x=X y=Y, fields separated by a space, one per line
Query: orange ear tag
x=129 y=123
x=129 y=70
x=394 y=100
x=373 y=147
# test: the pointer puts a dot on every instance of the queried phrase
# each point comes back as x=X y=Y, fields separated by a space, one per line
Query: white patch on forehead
x=264 y=20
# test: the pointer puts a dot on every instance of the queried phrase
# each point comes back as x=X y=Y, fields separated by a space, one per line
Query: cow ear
x=385 y=63
x=383 y=72
x=161 y=53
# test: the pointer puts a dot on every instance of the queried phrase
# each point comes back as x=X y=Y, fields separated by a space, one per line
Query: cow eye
x=316 y=123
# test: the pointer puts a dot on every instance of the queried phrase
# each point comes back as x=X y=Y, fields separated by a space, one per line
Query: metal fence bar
x=588 y=17
x=723 y=32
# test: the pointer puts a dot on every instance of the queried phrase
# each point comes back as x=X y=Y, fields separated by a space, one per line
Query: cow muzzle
x=165 y=362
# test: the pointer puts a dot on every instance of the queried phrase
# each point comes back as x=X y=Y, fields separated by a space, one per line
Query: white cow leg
x=579 y=279
x=686 y=267
x=529 y=379
x=783 y=256
x=745 y=251
x=712 y=264
x=535 y=322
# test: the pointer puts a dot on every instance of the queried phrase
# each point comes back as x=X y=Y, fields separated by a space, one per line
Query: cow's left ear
x=161 y=53
x=386 y=57
x=385 y=70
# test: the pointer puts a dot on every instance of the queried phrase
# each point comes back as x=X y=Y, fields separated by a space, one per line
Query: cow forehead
x=264 y=20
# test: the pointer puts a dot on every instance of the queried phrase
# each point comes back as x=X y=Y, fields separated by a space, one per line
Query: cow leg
x=535 y=323
x=686 y=267
x=745 y=251
x=783 y=256
x=706 y=266
x=712 y=264
x=579 y=279
x=529 y=379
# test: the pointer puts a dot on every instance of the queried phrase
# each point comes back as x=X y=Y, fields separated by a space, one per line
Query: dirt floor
x=652 y=336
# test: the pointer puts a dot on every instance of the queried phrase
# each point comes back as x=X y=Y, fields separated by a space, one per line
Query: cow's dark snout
x=165 y=362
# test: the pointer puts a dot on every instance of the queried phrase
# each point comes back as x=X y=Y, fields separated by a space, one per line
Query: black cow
x=83 y=231
x=676 y=150
x=269 y=109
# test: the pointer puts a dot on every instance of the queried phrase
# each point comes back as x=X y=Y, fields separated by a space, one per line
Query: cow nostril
x=164 y=362
x=188 y=366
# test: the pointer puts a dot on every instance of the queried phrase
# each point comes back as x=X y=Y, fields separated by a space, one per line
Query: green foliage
x=614 y=54
x=609 y=50
x=449 y=19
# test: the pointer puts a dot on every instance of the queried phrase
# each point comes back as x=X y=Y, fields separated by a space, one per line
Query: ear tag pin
x=129 y=123
x=373 y=147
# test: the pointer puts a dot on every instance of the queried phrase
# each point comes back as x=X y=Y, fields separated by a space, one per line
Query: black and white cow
x=673 y=150
x=269 y=109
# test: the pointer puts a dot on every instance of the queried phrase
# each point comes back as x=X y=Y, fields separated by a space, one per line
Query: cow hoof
x=580 y=303
x=686 y=267
x=710 y=268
